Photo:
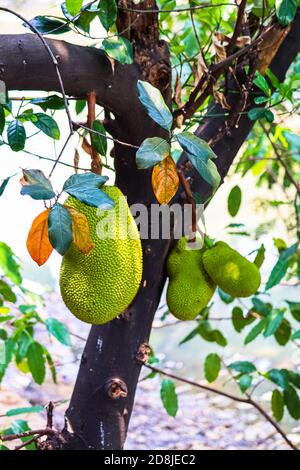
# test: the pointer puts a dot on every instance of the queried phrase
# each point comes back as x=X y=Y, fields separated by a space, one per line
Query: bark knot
x=116 y=388
x=143 y=353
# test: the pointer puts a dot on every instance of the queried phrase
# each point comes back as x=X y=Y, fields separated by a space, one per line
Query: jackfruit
x=190 y=288
x=99 y=286
x=233 y=273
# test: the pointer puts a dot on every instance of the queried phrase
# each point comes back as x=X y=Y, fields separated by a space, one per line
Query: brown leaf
x=86 y=146
x=81 y=231
x=243 y=41
x=200 y=69
x=220 y=41
x=177 y=91
x=165 y=180
x=221 y=99
x=76 y=160
x=38 y=243
x=271 y=40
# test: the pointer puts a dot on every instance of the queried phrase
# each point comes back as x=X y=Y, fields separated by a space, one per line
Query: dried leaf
x=86 y=146
x=38 y=243
x=220 y=41
x=243 y=41
x=269 y=45
x=76 y=161
x=81 y=231
x=221 y=99
x=177 y=90
x=165 y=180
x=200 y=69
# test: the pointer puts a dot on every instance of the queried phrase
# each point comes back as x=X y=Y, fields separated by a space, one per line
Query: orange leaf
x=38 y=243
x=165 y=180
x=81 y=231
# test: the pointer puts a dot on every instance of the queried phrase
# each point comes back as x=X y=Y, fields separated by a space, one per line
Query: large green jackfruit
x=99 y=286
x=233 y=273
x=190 y=288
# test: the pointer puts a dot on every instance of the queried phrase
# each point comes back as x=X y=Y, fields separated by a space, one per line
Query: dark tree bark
x=103 y=396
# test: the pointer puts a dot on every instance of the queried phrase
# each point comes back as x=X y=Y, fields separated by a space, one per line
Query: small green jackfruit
x=233 y=273
x=190 y=288
x=99 y=286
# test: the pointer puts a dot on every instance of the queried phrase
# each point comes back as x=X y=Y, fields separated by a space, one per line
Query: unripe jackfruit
x=99 y=286
x=233 y=273
x=190 y=288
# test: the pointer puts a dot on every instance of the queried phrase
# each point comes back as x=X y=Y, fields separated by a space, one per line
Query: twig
x=191 y=200
x=280 y=159
x=96 y=166
x=37 y=432
x=238 y=26
x=60 y=154
x=50 y=408
x=248 y=400
x=53 y=58
x=26 y=443
x=178 y=10
x=120 y=142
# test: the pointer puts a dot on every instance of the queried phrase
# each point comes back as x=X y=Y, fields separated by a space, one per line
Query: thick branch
x=26 y=65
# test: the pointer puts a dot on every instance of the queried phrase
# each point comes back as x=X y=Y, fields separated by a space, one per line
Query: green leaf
x=16 y=135
x=208 y=171
x=245 y=367
x=9 y=265
x=281 y=267
x=58 y=330
x=256 y=330
x=152 y=151
x=46 y=124
x=294 y=309
x=6 y=292
x=74 y=6
x=38 y=186
x=293 y=377
x=212 y=367
x=261 y=307
x=279 y=377
x=262 y=83
x=49 y=102
x=119 y=49
x=28 y=409
x=283 y=334
x=153 y=101
x=195 y=146
x=2 y=119
x=296 y=335
x=85 y=187
x=169 y=397
x=79 y=106
x=260 y=256
x=239 y=322
x=107 y=13
x=99 y=141
x=256 y=113
x=210 y=335
x=47 y=25
x=36 y=362
x=292 y=401
x=245 y=382
x=285 y=11
x=226 y=298
x=60 y=228
x=3 y=185
x=277 y=404
x=234 y=200
x=274 y=321
x=51 y=365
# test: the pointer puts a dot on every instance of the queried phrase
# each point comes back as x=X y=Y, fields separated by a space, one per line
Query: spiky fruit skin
x=190 y=288
x=233 y=273
x=99 y=286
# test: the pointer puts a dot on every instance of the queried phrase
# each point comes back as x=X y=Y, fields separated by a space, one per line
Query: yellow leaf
x=38 y=243
x=165 y=180
x=81 y=231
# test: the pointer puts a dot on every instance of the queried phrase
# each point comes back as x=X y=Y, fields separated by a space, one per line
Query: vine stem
x=247 y=401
